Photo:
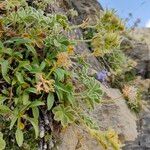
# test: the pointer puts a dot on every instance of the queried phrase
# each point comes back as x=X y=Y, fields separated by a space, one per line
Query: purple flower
x=102 y=75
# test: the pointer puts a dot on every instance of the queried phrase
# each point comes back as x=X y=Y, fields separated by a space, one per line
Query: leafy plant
x=38 y=73
x=93 y=93
x=133 y=97
x=107 y=139
x=107 y=34
x=64 y=114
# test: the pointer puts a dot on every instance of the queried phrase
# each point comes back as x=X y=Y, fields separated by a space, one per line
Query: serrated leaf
x=50 y=100
x=64 y=114
x=14 y=81
x=62 y=87
x=59 y=74
x=19 y=137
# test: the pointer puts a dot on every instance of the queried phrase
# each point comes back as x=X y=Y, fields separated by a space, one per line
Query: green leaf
x=42 y=65
x=8 y=51
x=64 y=114
x=2 y=99
x=17 y=55
x=31 y=49
x=34 y=122
x=13 y=121
x=50 y=100
x=20 y=77
x=2 y=142
x=62 y=87
x=18 y=41
x=31 y=90
x=23 y=64
x=36 y=103
x=14 y=81
x=19 y=137
x=35 y=112
x=71 y=99
x=4 y=109
x=60 y=95
x=25 y=98
x=59 y=74
x=28 y=67
x=5 y=92
x=5 y=69
x=56 y=43
x=35 y=69
x=18 y=90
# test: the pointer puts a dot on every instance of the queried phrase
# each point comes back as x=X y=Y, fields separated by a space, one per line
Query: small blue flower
x=102 y=75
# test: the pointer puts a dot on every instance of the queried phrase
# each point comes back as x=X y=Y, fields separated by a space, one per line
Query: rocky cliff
x=116 y=115
x=72 y=74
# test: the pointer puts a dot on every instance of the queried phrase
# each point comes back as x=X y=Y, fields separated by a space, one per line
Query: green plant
x=107 y=139
x=133 y=97
x=37 y=73
x=117 y=61
x=108 y=34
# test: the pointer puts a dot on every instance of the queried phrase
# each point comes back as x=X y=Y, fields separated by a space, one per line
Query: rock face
x=76 y=138
x=114 y=113
x=141 y=51
x=85 y=8
x=90 y=9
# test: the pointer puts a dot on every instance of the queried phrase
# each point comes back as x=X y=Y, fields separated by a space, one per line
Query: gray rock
x=140 y=50
x=85 y=8
x=116 y=114
x=76 y=138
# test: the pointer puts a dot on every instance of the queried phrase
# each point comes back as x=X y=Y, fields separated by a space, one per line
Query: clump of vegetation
x=107 y=36
x=107 y=139
x=39 y=76
x=133 y=97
